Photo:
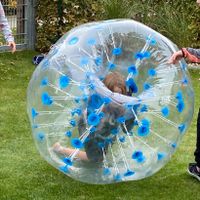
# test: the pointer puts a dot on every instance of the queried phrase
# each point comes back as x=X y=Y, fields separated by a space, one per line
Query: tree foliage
x=54 y=18
x=176 y=19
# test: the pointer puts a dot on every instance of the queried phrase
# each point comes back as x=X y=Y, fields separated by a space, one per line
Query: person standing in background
x=5 y=28
x=192 y=55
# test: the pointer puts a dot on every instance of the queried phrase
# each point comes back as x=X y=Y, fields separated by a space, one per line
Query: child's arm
x=6 y=29
x=193 y=55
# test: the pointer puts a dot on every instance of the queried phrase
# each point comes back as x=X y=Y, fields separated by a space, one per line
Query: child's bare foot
x=57 y=147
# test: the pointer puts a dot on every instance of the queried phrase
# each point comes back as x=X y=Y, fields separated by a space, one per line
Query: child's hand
x=13 y=46
x=175 y=57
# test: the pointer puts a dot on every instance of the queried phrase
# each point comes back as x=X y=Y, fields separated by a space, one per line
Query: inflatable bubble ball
x=104 y=104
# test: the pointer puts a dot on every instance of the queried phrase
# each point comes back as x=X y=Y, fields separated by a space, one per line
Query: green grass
x=25 y=175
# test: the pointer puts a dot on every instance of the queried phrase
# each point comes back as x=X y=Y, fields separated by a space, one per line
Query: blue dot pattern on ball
x=46 y=99
x=132 y=85
x=68 y=161
x=34 y=113
x=109 y=132
x=64 y=82
x=44 y=82
x=91 y=41
x=76 y=143
x=165 y=111
x=132 y=69
x=117 y=51
x=73 y=40
x=40 y=137
x=93 y=119
x=111 y=66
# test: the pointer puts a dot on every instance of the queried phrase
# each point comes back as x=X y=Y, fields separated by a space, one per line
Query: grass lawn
x=25 y=175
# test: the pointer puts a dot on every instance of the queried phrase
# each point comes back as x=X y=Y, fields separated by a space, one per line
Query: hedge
x=178 y=20
x=54 y=18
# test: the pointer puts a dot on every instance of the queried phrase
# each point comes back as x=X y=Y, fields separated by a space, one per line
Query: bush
x=177 y=20
x=117 y=9
x=55 y=18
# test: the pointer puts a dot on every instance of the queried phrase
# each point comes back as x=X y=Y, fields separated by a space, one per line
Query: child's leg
x=68 y=151
x=197 y=151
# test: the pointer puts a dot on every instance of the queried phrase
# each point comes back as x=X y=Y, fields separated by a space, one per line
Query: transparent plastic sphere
x=95 y=134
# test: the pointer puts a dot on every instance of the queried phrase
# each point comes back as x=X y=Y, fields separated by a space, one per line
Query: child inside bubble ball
x=96 y=144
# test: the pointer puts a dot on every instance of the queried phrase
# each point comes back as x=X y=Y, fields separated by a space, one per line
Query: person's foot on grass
x=194 y=170
x=191 y=164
